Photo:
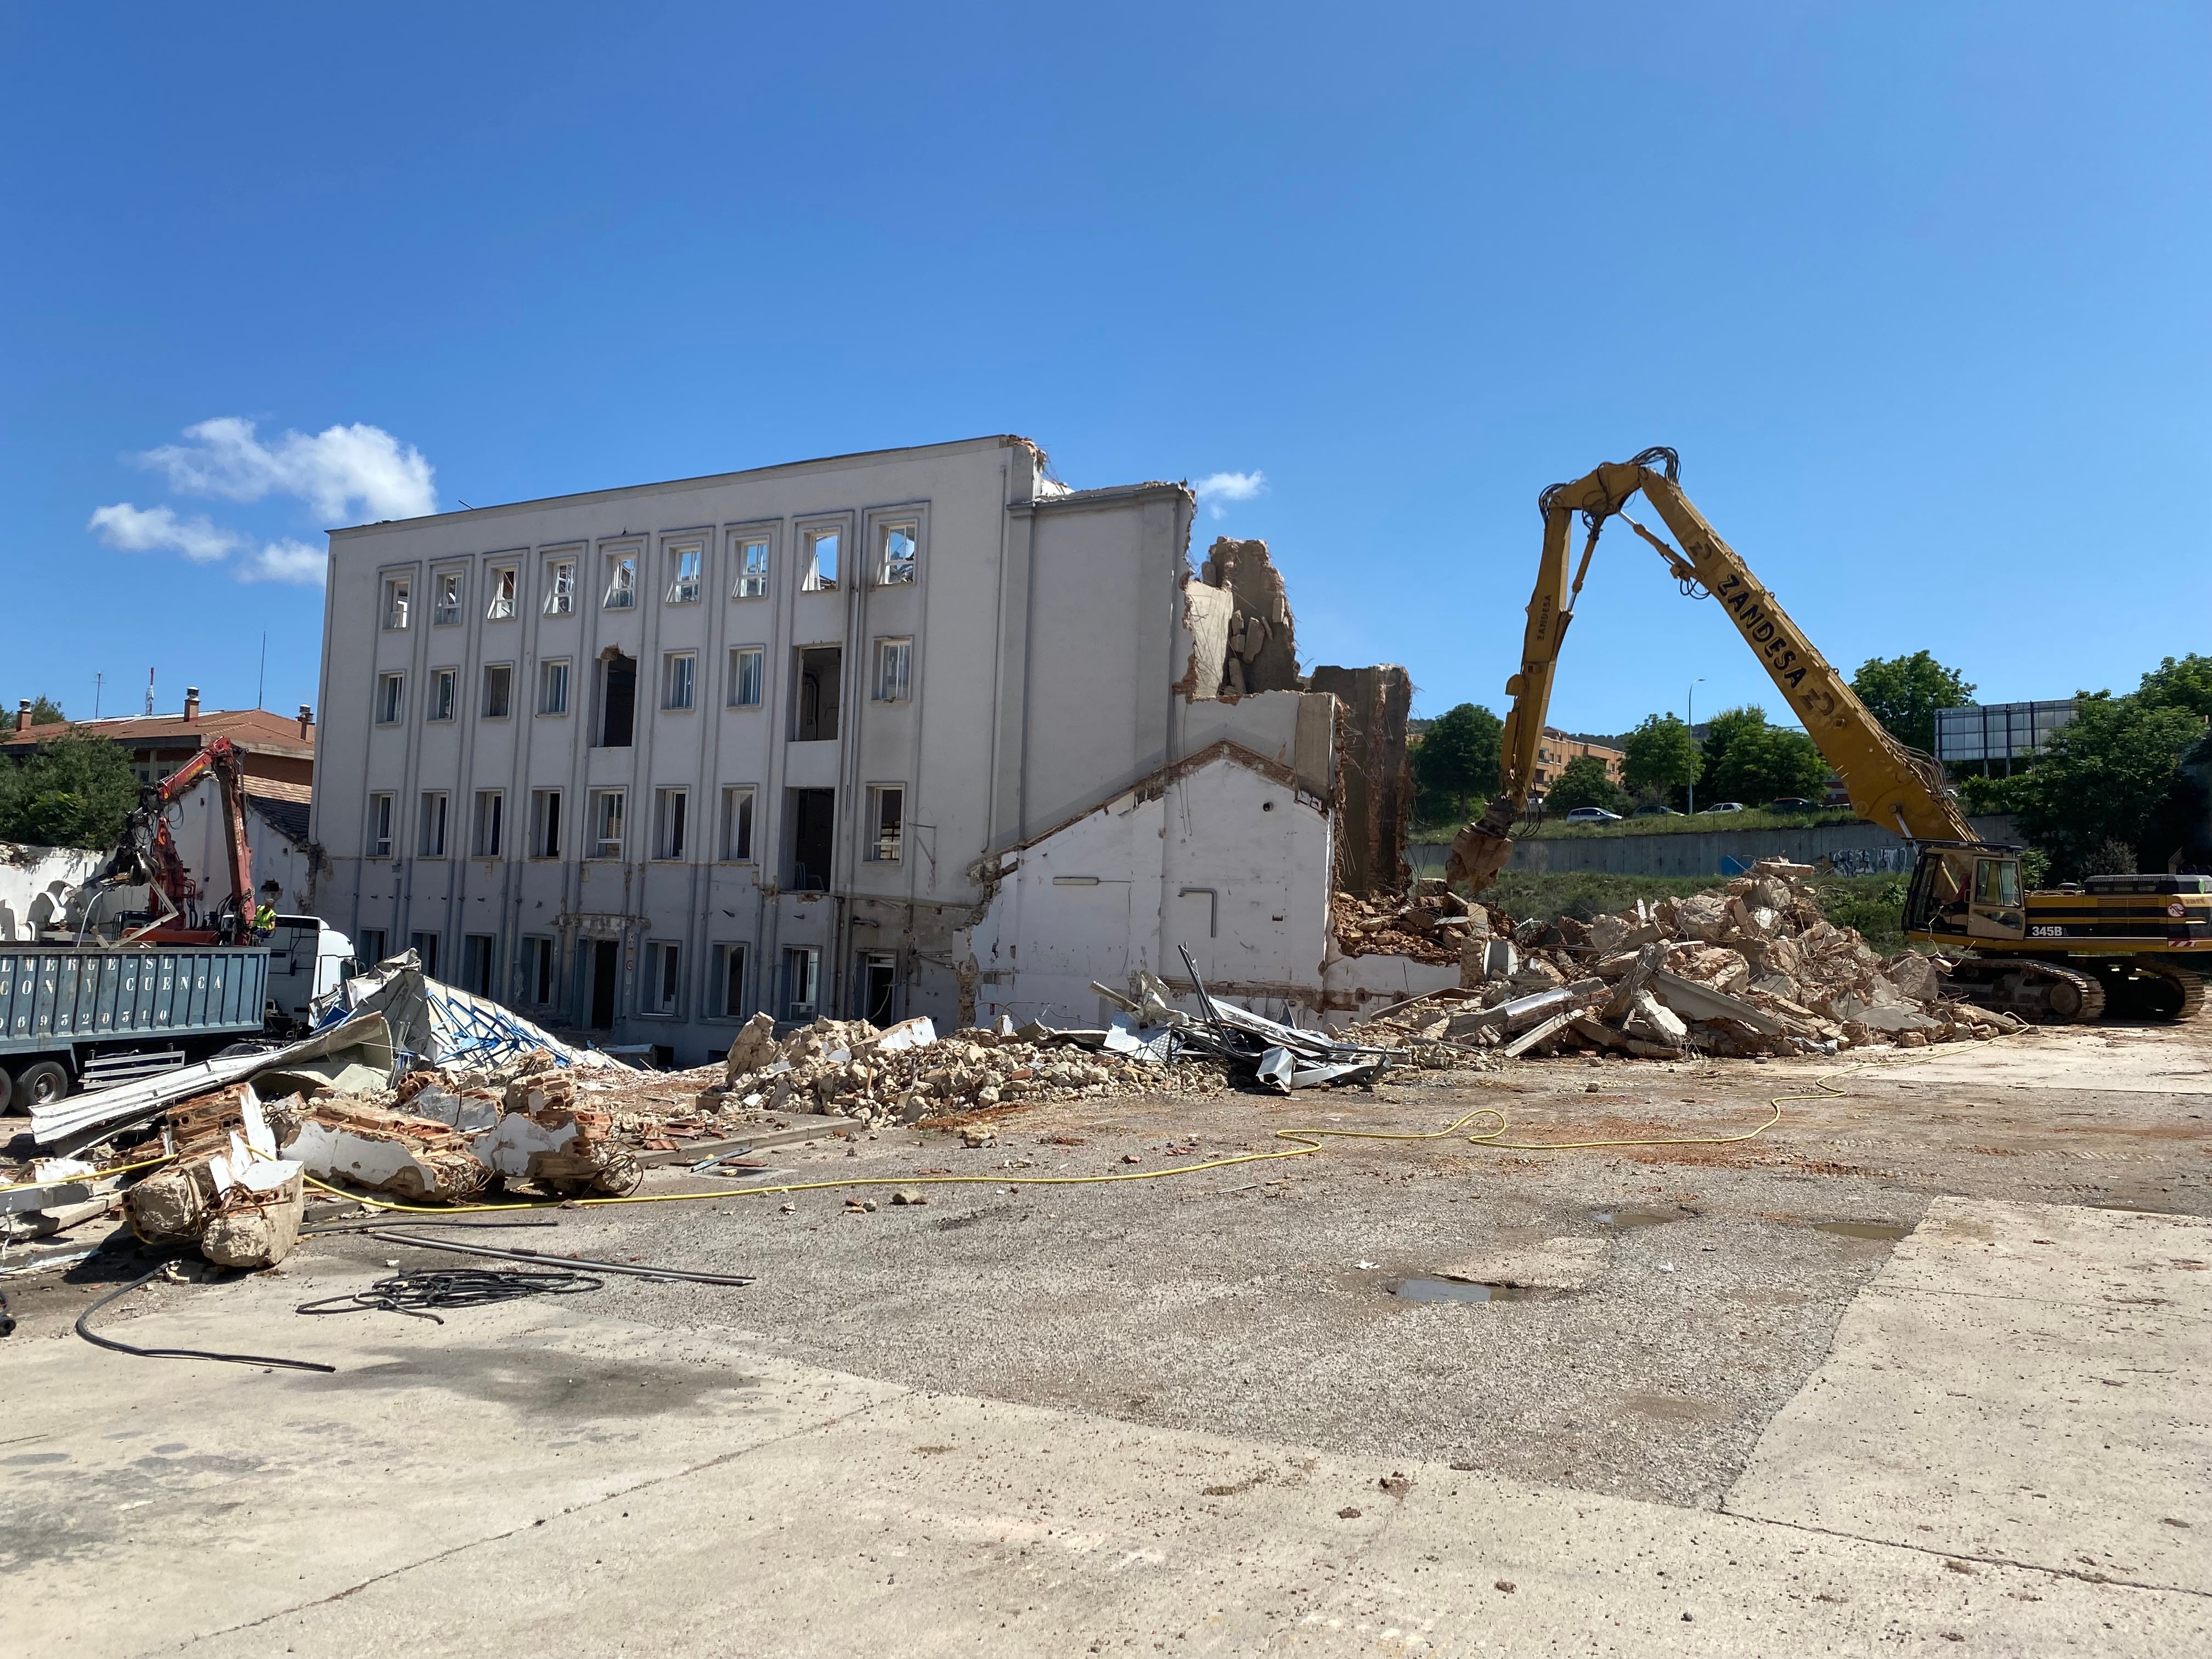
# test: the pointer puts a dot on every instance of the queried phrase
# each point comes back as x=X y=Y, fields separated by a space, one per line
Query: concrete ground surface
x=1883 y=1379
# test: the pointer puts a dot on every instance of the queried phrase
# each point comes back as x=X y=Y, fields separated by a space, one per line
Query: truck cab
x=307 y=958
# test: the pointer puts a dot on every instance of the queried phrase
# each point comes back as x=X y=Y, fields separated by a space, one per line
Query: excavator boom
x=1888 y=784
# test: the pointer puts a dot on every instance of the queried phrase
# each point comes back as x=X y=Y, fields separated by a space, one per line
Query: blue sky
x=1918 y=291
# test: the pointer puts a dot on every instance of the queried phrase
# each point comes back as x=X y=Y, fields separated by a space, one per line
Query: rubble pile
x=1430 y=924
x=907 y=1073
x=1751 y=968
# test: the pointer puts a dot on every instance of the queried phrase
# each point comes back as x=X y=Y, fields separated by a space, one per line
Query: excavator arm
x=147 y=855
x=1889 y=784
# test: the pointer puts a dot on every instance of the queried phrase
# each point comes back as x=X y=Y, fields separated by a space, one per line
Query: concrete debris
x=1431 y=923
x=226 y=1192
x=1747 y=969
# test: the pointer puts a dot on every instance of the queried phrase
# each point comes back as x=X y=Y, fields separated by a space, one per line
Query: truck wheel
x=7 y=1088
x=41 y=1083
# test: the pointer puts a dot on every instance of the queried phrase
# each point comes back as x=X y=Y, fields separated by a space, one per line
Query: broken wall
x=1262 y=645
x=1375 y=779
x=36 y=882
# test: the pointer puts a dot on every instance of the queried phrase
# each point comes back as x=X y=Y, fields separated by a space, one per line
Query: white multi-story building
x=817 y=738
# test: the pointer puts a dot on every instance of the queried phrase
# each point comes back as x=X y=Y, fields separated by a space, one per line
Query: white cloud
x=1218 y=486
x=329 y=470
x=286 y=561
x=146 y=530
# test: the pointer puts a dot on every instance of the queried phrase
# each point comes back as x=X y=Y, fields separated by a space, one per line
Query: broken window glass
x=503 y=594
x=821 y=561
x=683 y=574
x=898 y=550
x=752 y=568
x=622 y=581
x=560 y=587
x=445 y=607
x=395 y=602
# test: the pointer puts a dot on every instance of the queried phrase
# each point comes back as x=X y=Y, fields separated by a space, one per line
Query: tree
x=1584 y=781
x=1905 y=693
x=1765 y=763
x=1455 y=768
x=2091 y=799
x=1660 y=757
x=1723 y=732
x=2185 y=683
x=75 y=790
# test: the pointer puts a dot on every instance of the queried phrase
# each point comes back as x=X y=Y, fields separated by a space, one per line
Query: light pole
x=1690 y=701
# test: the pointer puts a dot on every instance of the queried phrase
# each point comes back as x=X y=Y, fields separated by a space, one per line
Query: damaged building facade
x=915 y=732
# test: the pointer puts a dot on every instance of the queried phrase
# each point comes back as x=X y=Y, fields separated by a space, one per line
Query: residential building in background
x=1558 y=747
x=919 y=731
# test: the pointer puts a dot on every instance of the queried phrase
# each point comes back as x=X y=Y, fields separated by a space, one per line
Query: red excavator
x=146 y=856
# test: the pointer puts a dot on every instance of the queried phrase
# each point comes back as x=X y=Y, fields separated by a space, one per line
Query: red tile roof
x=258 y=731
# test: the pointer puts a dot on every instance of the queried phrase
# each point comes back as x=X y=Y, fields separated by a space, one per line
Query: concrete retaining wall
x=1854 y=848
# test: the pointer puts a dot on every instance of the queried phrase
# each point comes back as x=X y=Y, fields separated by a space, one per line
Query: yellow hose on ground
x=1305 y=1142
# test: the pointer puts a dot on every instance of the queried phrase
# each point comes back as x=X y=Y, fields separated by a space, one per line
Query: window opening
x=476 y=963
x=671 y=808
x=560 y=587
x=395 y=591
x=501 y=605
x=606 y=824
x=391 y=698
x=813 y=819
x=683 y=564
x=379 y=826
x=746 y=675
x=622 y=581
x=430 y=829
x=490 y=816
x=894 y=670
x=442 y=694
x=553 y=688
x=664 y=976
x=498 y=690
x=538 y=971
x=606 y=978
x=425 y=947
x=896 y=563
x=887 y=816
x=821 y=561
x=802 y=982
x=371 y=941
x=877 y=987
x=617 y=700
x=730 y=981
x=446 y=599
x=814 y=711
x=752 y=568
x=738 y=825
x=679 y=675
x=545 y=823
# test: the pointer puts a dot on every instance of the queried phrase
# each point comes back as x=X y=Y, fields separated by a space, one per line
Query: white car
x=1725 y=806
x=1592 y=815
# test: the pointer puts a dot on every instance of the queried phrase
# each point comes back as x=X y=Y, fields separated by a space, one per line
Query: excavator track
x=2155 y=990
x=2040 y=991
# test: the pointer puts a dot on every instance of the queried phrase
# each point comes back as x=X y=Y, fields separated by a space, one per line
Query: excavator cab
x=1963 y=892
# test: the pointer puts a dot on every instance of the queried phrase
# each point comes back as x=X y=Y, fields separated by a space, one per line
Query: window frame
x=497 y=800
x=811 y=537
x=484 y=691
x=726 y=993
x=568 y=676
x=619 y=562
x=539 y=958
x=660 y=987
x=391 y=698
x=445 y=693
x=560 y=584
x=905 y=573
x=398 y=603
x=490 y=942
x=740 y=809
x=681 y=589
x=361 y=936
x=442 y=616
x=743 y=577
x=758 y=655
x=540 y=801
x=594 y=815
x=872 y=852
x=887 y=646
x=424 y=820
x=505 y=581
x=380 y=840
x=671 y=811
x=683 y=665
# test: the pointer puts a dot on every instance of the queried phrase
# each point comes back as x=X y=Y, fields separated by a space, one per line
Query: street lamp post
x=1690 y=701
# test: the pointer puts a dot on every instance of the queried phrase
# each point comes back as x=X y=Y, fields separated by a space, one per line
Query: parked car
x=1792 y=804
x=1725 y=806
x=1592 y=815
x=1655 y=810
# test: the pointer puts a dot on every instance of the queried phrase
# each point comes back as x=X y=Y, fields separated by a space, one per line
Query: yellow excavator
x=2137 y=946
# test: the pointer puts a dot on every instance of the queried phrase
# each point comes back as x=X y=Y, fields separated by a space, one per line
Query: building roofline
x=1106 y=495
x=705 y=481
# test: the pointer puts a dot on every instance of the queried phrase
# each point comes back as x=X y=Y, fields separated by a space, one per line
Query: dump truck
x=137 y=976
x=2137 y=946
